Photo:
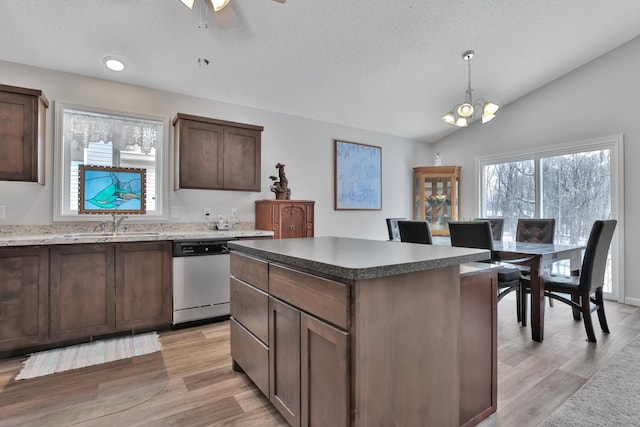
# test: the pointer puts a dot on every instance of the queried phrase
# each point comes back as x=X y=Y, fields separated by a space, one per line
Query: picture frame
x=110 y=189
x=357 y=176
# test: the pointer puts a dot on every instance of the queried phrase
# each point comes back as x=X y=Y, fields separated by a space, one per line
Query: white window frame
x=61 y=213
x=615 y=145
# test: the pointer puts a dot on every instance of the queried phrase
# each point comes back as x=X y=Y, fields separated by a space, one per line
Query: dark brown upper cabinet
x=211 y=154
x=22 y=134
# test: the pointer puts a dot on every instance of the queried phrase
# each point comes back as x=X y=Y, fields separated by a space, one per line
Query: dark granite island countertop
x=358 y=259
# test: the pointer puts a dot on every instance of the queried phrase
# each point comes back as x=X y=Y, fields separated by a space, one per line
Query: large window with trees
x=576 y=184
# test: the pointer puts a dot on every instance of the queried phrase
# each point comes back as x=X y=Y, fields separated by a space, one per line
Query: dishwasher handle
x=200 y=248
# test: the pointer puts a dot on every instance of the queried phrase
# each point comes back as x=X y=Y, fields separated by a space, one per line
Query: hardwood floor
x=535 y=378
x=190 y=383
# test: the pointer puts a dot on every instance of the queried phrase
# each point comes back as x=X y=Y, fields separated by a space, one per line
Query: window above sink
x=95 y=136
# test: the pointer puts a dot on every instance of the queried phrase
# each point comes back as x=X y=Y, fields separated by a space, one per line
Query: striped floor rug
x=89 y=354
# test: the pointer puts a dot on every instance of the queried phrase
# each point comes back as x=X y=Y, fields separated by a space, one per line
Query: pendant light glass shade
x=449 y=118
x=489 y=111
x=218 y=5
x=490 y=108
x=462 y=122
x=463 y=113
x=188 y=3
x=465 y=110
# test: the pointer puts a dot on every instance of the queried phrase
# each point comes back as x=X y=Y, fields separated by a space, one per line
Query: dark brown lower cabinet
x=143 y=285
x=301 y=361
x=103 y=288
x=478 y=347
x=82 y=290
x=308 y=368
x=284 y=360
x=324 y=374
x=24 y=297
x=250 y=355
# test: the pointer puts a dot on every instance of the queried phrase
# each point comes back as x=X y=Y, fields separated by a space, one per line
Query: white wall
x=597 y=100
x=304 y=146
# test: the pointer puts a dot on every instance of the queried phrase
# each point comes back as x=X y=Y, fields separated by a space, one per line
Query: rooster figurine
x=281 y=188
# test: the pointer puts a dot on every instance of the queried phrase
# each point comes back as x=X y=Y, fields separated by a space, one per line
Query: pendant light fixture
x=463 y=113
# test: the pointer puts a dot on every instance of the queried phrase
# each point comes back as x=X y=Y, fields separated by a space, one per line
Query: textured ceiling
x=388 y=66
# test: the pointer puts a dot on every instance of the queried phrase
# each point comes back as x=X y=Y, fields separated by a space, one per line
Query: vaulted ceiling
x=387 y=66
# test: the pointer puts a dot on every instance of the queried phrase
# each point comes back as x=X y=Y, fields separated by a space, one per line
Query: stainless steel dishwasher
x=200 y=279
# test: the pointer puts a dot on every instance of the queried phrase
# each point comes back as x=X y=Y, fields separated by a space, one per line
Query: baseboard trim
x=632 y=301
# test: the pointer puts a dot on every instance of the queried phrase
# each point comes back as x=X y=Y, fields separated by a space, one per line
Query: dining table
x=539 y=257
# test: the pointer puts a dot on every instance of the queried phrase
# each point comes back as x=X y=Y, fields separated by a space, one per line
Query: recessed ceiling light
x=114 y=64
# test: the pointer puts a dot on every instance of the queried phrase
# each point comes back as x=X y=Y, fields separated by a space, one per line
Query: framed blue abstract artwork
x=358 y=176
x=106 y=189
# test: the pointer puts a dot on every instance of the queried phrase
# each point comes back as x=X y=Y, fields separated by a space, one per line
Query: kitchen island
x=339 y=331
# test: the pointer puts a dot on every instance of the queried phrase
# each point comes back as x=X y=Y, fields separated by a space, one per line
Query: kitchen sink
x=89 y=235
x=120 y=233
x=137 y=233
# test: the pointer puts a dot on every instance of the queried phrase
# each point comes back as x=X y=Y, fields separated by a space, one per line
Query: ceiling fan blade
x=280 y=1
x=220 y=6
x=226 y=19
x=188 y=3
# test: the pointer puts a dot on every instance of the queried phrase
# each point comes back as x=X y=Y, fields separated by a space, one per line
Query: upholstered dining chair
x=479 y=235
x=497 y=224
x=392 y=228
x=415 y=231
x=534 y=230
x=589 y=282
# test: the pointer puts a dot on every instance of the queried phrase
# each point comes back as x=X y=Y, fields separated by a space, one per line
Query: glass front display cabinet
x=435 y=190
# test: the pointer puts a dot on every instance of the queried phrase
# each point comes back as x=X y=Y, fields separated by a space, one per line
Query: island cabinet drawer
x=326 y=299
x=250 y=307
x=251 y=270
x=251 y=355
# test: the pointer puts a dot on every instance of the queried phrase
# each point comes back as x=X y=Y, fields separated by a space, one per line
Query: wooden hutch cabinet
x=22 y=133
x=435 y=193
x=286 y=218
x=212 y=154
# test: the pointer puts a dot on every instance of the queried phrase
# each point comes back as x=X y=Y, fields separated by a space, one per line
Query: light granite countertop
x=58 y=237
x=357 y=259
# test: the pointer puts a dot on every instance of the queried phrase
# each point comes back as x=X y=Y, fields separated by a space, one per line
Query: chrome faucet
x=116 y=223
